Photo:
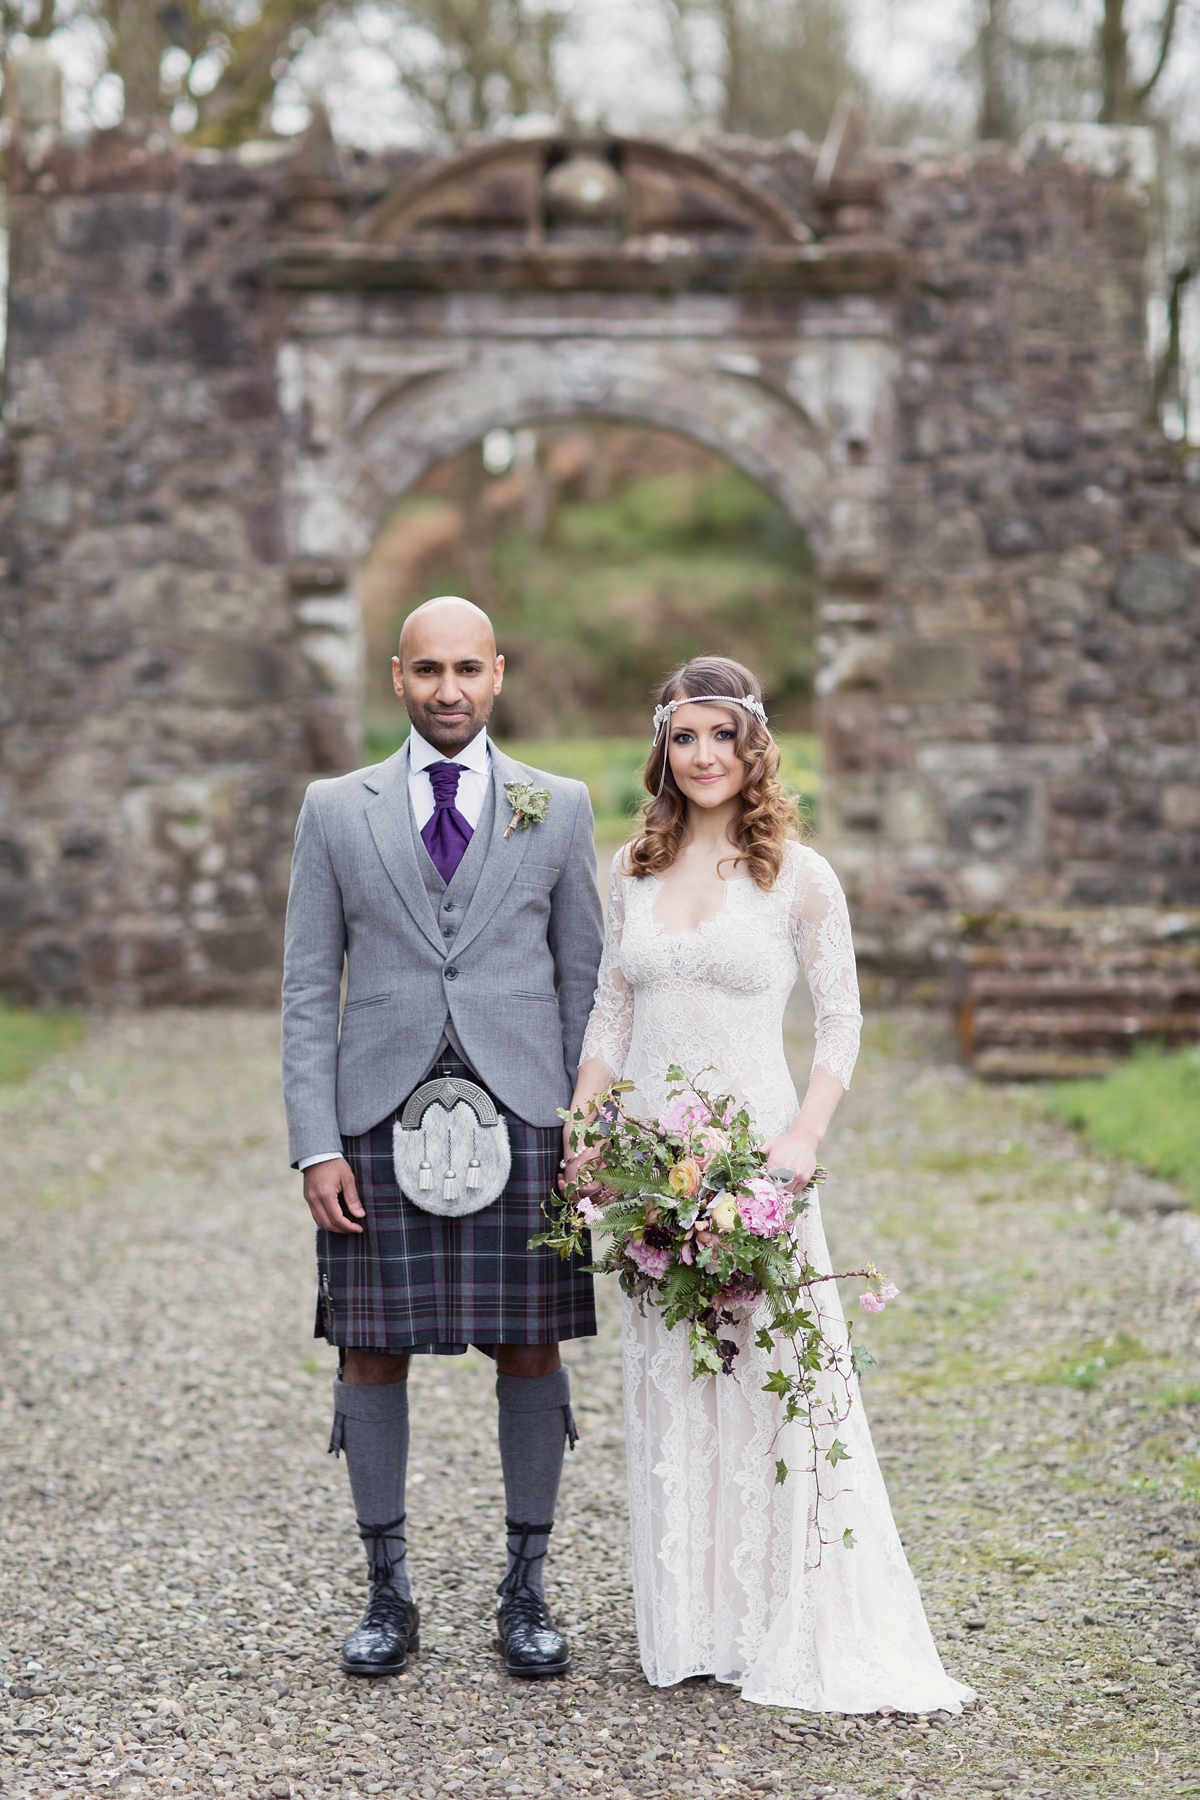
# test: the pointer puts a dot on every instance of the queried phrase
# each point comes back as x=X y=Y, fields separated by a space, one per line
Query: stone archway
x=221 y=371
x=488 y=294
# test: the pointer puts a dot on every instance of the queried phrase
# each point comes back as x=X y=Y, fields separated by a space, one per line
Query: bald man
x=470 y=936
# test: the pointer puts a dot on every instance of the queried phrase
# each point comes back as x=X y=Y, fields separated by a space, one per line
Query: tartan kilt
x=414 y=1282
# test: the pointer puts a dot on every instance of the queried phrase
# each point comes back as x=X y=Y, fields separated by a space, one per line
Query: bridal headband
x=662 y=714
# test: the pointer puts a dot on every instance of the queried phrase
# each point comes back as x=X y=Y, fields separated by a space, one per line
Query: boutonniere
x=529 y=805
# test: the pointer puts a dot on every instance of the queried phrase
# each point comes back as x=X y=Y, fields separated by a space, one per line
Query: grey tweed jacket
x=516 y=980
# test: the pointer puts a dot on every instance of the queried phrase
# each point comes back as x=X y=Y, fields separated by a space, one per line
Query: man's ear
x=398 y=678
x=497 y=675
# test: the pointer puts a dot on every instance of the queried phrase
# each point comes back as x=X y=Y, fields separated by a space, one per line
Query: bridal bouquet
x=698 y=1227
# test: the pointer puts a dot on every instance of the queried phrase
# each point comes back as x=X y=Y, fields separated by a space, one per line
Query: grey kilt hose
x=415 y=1282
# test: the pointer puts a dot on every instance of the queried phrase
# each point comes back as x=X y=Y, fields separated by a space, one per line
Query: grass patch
x=28 y=1038
x=1148 y=1110
x=1084 y=1369
x=612 y=768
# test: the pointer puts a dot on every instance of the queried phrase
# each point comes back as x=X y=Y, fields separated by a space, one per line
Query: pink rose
x=871 y=1303
x=765 y=1208
x=683 y=1115
x=710 y=1141
x=684 y=1178
x=651 y=1262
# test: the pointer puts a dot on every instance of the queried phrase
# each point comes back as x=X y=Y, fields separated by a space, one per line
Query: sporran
x=450 y=1148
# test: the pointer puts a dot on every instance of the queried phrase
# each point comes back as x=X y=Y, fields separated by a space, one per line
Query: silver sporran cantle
x=450 y=1148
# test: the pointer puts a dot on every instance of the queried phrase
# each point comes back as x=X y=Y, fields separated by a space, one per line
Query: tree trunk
x=995 y=115
x=140 y=42
x=1116 y=107
x=731 y=29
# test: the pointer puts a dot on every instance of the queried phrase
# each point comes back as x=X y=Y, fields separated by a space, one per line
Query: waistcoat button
x=451 y=974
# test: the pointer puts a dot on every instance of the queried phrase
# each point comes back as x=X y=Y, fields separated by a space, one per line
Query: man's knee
x=373 y=1368
x=530 y=1360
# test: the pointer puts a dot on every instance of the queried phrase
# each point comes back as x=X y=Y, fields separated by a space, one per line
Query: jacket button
x=451 y=974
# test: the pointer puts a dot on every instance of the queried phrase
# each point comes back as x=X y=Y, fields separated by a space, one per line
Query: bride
x=714 y=908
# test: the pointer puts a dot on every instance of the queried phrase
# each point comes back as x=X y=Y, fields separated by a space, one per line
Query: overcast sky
x=616 y=65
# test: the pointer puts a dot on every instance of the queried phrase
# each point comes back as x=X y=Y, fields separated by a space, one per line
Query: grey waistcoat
x=449 y=904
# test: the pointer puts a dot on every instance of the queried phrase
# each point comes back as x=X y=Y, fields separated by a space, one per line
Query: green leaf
x=861 y=1359
x=763 y=1339
x=847 y=1539
x=837 y=1452
x=781 y=1472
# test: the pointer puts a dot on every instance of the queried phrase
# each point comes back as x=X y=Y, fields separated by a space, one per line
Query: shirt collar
x=475 y=756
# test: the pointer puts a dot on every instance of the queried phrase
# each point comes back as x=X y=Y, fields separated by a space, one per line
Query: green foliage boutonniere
x=529 y=805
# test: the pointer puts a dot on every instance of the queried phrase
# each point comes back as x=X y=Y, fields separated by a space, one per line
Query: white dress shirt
x=476 y=765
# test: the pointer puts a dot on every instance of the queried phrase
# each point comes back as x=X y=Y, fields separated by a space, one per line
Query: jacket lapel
x=504 y=857
x=390 y=820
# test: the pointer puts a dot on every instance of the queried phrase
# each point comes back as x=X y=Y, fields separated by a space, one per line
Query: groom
x=471 y=942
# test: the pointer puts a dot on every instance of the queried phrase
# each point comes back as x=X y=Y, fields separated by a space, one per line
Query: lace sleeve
x=821 y=933
x=610 y=1027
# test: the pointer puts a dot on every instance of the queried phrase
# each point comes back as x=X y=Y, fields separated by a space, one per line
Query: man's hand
x=574 y=1160
x=331 y=1194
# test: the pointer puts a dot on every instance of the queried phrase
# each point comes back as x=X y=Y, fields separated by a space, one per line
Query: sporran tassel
x=425 y=1172
x=450 y=1181
x=473 y=1166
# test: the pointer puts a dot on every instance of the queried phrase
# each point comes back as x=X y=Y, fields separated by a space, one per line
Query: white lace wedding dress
x=730 y=1577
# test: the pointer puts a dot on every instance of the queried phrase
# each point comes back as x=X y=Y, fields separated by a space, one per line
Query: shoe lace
x=387 y=1606
x=376 y=1538
x=517 y=1580
x=525 y=1606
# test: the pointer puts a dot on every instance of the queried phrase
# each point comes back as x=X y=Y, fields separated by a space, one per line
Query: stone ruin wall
x=1013 y=718
x=1009 y=696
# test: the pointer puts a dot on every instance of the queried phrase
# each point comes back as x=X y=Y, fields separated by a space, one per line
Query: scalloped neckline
x=692 y=930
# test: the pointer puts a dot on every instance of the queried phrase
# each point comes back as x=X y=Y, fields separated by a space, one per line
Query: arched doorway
x=605 y=553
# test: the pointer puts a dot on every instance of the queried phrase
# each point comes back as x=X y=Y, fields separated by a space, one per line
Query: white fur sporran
x=450 y=1148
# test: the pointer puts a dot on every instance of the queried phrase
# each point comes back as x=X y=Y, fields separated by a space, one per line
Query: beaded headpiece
x=662 y=714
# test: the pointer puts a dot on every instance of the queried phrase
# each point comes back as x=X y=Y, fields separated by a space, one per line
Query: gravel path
x=177 y=1558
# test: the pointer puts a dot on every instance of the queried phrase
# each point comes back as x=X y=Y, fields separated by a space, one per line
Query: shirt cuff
x=309 y=1162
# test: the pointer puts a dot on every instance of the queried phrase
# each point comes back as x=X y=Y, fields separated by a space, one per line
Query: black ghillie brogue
x=532 y=1644
x=387 y=1636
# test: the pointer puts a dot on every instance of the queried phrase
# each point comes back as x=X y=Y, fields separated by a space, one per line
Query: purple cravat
x=447 y=834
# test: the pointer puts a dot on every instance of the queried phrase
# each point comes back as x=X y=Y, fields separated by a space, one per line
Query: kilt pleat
x=414 y=1282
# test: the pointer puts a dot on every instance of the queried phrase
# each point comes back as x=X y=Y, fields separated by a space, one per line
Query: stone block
x=1015 y=535
x=1050 y=599
x=1139 y=1194
x=933 y=672
x=1180 y=805
x=1049 y=440
x=231 y=673
x=1154 y=587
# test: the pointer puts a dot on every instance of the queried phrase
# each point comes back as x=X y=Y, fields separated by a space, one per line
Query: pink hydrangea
x=651 y=1262
x=764 y=1207
x=684 y=1115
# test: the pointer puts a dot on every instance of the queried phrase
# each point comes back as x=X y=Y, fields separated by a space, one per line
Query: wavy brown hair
x=768 y=817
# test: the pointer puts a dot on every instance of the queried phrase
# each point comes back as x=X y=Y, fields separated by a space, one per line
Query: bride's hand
x=797 y=1154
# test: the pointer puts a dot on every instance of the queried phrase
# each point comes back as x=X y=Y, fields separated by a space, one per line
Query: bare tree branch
x=1166 y=33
